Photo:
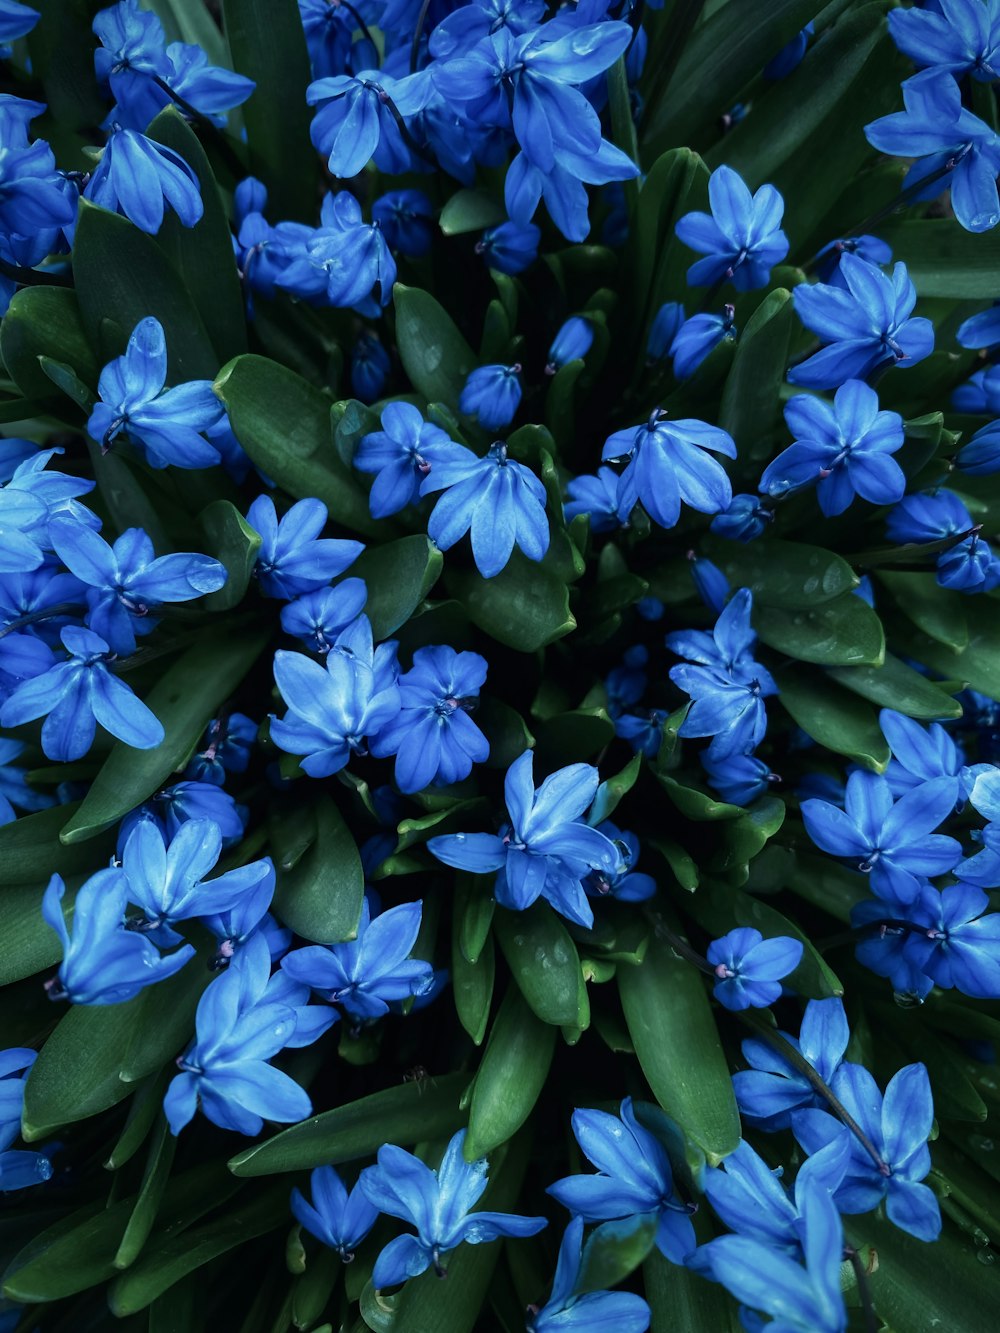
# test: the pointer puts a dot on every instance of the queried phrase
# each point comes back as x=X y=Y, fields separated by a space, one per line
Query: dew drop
x=986 y=1256
x=981 y=1143
x=459 y=837
x=907 y=1000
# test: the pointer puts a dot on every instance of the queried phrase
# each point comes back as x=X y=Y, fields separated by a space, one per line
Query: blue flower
x=228 y=743
x=952 y=147
x=407 y=219
x=569 y=1310
x=790 y=56
x=634 y=1176
x=668 y=462
x=665 y=326
x=597 y=497
x=16 y=20
x=771 y=1089
x=643 y=731
x=166 y=878
x=894 y=842
x=623 y=883
x=712 y=584
x=329 y=31
x=14 y=788
x=968 y=565
x=698 y=336
x=355 y=124
x=225 y=1070
x=869 y=248
x=897 y=1129
x=739 y=778
x=18 y=1169
x=750 y=969
x=959 y=944
x=137 y=176
x=492 y=394
x=982 y=330
x=844 y=447
x=318 y=618
x=980 y=394
x=459 y=31
x=746 y=518
x=103 y=963
x=572 y=342
x=370 y=364
x=799 y=1299
x=366 y=973
x=175 y=805
x=293 y=558
x=333 y=708
x=164 y=423
x=510 y=247
x=544 y=851
x=981 y=456
x=210 y=89
x=438 y=1204
x=76 y=694
x=741 y=239
x=868 y=325
x=338 y=1219
x=126 y=582
x=432 y=736
x=920 y=754
x=960 y=37
x=35 y=199
x=401 y=455
x=340 y=263
x=503 y=503
x=727 y=684
x=21 y=516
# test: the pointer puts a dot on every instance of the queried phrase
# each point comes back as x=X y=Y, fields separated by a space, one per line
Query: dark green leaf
x=434 y=354
x=231 y=539
x=739 y=840
x=30 y=850
x=683 y=1302
x=933 y=609
x=845 y=632
x=470 y=210
x=978 y=663
x=163 y=1022
x=671 y=1023
x=269 y=46
x=505 y=730
x=406 y=1114
x=76 y=1073
x=45 y=321
x=524 y=607
x=511 y=1075
x=612 y=790
x=472 y=985
x=474 y=908
x=698 y=805
x=154 y=1182
x=30 y=945
x=321 y=897
x=68 y=381
x=82 y=1257
x=203 y=254
x=122 y=276
x=944 y=260
x=283 y=423
x=185 y=699
x=574 y=737
x=614 y=1250
x=398 y=576
x=896 y=685
x=788 y=575
x=751 y=402
x=833 y=717
x=545 y=963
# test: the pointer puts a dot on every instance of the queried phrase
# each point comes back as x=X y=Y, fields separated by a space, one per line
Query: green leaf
x=723 y=54
x=231 y=539
x=935 y=610
x=119 y=476
x=163 y=1022
x=154 y=1182
x=68 y=381
x=505 y=730
x=405 y=1114
x=473 y=912
x=944 y=260
x=30 y=850
x=191 y=21
x=845 y=632
x=919 y=1289
x=30 y=945
x=683 y=1302
x=676 y=183
x=740 y=840
x=698 y=805
x=525 y=607
x=790 y=575
x=671 y=1024
x=122 y=276
x=283 y=423
x=320 y=899
x=185 y=699
x=269 y=46
x=751 y=400
x=312 y=1291
x=172 y=1257
x=203 y=254
x=623 y=125
x=76 y=1073
x=896 y=685
x=434 y=354
x=612 y=790
x=470 y=210
x=614 y=1250
x=978 y=663
x=545 y=963
x=81 y=1257
x=510 y=1077
x=45 y=321
x=398 y=576
x=472 y=985
x=574 y=737
x=833 y=717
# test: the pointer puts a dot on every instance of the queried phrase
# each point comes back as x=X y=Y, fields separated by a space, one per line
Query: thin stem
x=418 y=32
x=798 y=1062
x=345 y=4
x=232 y=159
x=864 y=1291
x=33 y=277
x=33 y=617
